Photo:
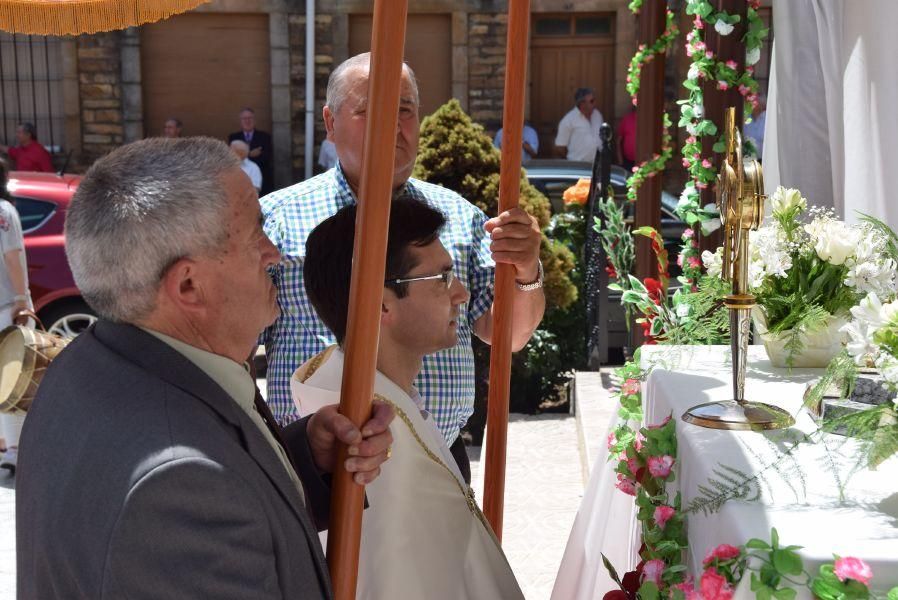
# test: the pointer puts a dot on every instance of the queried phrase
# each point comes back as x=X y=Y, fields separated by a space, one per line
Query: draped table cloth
x=812 y=487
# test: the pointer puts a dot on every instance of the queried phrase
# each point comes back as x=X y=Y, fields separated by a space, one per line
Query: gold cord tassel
x=74 y=17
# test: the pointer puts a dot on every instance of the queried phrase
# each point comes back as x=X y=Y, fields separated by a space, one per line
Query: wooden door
x=428 y=51
x=203 y=68
x=568 y=52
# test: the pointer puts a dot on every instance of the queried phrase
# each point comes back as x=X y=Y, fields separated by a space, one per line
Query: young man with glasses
x=423 y=535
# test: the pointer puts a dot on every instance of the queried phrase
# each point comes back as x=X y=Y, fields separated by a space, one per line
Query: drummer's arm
x=17 y=277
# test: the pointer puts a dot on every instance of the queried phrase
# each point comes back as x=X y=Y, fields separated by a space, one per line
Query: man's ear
x=182 y=285
x=328 y=122
x=388 y=307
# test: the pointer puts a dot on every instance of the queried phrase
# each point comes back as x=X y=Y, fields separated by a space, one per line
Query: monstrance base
x=738 y=416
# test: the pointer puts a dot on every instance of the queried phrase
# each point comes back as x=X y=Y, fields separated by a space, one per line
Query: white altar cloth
x=816 y=496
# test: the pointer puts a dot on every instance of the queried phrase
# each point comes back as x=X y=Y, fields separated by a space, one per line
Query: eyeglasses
x=447 y=277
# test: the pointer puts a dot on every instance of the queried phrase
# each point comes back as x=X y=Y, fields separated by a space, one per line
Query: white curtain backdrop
x=832 y=117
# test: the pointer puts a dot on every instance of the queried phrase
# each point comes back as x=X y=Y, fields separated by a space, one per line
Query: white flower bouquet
x=807 y=269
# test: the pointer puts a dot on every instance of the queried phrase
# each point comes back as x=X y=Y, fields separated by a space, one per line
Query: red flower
x=850 y=567
x=722 y=552
x=653 y=287
x=714 y=586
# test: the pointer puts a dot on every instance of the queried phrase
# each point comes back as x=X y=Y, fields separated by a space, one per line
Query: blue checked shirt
x=446 y=381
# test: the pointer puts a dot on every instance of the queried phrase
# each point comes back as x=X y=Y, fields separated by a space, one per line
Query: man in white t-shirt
x=578 y=132
x=252 y=170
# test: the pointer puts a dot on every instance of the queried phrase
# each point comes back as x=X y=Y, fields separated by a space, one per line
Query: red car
x=42 y=200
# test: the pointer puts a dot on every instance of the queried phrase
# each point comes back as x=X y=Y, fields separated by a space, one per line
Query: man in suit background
x=260 y=151
x=149 y=465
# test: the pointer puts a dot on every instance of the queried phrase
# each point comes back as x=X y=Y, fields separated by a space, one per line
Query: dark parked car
x=553 y=177
x=42 y=200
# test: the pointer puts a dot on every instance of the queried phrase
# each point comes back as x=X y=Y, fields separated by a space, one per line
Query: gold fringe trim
x=74 y=17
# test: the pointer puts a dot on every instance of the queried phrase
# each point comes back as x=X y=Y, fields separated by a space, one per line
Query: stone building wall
x=100 y=91
x=486 y=66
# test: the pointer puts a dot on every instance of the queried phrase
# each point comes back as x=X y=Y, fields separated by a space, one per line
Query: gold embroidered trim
x=313 y=364
x=468 y=494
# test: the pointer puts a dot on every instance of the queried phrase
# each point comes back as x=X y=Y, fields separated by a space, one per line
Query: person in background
x=531 y=142
x=14 y=296
x=260 y=149
x=240 y=148
x=579 y=130
x=754 y=131
x=626 y=140
x=172 y=128
x=29 y=154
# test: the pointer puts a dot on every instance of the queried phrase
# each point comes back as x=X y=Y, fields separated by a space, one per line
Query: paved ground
x=548 y=457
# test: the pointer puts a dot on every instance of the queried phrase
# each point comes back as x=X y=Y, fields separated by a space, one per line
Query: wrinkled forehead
x=357 y=79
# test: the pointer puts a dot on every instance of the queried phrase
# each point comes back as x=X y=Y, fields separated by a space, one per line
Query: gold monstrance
x=740 y=200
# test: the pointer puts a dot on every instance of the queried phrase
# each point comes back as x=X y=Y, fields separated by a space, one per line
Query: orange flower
x=577 y=194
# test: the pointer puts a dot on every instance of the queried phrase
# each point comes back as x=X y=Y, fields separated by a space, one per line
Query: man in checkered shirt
x=446 y=382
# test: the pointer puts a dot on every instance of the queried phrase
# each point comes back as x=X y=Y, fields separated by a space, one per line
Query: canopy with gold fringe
x=74 y=17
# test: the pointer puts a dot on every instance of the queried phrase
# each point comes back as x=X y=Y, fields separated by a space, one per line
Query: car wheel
x=70 y=319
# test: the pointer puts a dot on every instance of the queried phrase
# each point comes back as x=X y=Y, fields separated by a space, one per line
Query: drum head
x=12 y=358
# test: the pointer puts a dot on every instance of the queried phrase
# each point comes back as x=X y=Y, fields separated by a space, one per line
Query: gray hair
x=139 y=209
x=338 y=83
x=581 y=94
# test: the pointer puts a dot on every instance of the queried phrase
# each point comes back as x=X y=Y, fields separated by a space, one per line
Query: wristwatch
x=536 y=283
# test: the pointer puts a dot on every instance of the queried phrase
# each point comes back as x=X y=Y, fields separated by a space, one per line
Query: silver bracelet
x=535 y=284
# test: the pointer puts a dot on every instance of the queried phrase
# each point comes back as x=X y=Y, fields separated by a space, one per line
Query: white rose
x=710 y=226
x=713 y=262
x=694 y=72
x=836 y=242
x=753 y=56
x=785 y=199
x=699 y=111
x=722 y=27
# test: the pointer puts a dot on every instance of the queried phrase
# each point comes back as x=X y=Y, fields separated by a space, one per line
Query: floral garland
x=645 y=465
x=705 y=66
x=644 y=55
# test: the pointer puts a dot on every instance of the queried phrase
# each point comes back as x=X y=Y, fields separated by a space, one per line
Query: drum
x=25 y=354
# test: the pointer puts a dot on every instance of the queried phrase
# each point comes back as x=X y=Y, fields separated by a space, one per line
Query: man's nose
x=460 y=294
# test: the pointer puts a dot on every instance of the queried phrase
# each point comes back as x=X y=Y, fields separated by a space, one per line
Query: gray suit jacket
x=139 y=477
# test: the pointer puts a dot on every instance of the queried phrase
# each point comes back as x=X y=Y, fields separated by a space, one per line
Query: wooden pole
x=724 y=47
x=649 y=132
x=367 y=284
x=503 y=304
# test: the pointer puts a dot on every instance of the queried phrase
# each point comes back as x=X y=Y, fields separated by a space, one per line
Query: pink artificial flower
x=731 y=64
x=639 y=439
x=690 y=139
x=688 y=589
x=850 y=567
x=635 y=168
x=722 y=85
x=689 y=50
x=652 y=571
x=661 y=424
x=612 y=440
x=706 y=163
x=714 y=586
x=722 y=552
x=700 y=46
x=659 y=466
x=744 y=89
x=709 y=54
x=633 y=465
x=699 y=24
x=688 y=233
x=750 y=69
x=701 y=185
x=695 y=262
x=630 y=387
x=686 y=162
x=626 y=485
x=662 y=515
x=680 y=260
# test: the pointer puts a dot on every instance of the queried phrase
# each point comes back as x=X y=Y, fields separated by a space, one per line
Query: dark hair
x=30 y=129
x=328 y=260
x=4 y=179
x=176 y=121
x=581 y=94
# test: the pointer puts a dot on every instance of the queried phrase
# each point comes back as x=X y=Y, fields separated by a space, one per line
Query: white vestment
x=423 y=535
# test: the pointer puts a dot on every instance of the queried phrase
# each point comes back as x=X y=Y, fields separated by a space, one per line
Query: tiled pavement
x=544 y=485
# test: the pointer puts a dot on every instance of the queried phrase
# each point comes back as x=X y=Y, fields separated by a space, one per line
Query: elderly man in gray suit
x=149 y=466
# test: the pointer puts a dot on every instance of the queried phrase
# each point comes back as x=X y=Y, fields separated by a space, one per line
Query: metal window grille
x=31 y=88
